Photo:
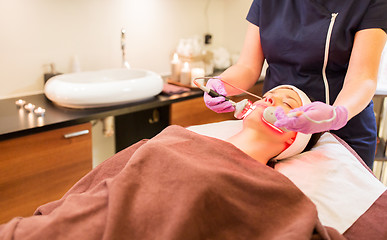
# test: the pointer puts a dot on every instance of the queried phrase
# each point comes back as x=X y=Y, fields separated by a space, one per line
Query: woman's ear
x=291 y=138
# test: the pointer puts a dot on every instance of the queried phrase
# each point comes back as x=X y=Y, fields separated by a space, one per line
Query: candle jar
x=196 y=67
x=185 y=74
x=29 y=107
x=176 y=66
x=40 y=112
x=197 y=72
x=20 y=103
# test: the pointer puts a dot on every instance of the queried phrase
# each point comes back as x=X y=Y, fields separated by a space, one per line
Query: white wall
x=37 y=32
x=235 y=24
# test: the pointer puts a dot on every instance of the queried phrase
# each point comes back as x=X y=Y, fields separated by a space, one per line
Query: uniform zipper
x=326 y=55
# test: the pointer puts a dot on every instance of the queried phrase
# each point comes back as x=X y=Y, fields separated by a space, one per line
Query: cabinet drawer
x=39 y=168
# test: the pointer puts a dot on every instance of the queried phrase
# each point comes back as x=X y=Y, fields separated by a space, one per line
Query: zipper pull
x=326 y=55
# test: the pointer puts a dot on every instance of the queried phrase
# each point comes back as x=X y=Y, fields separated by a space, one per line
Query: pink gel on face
x=272 y=126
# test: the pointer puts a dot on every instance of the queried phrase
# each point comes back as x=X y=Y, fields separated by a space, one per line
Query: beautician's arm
x=361 y=79
x=247 y=70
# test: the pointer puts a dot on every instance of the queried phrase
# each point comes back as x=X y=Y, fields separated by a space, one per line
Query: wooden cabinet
x=39 y=168
x=195 y=112
x=133 y=127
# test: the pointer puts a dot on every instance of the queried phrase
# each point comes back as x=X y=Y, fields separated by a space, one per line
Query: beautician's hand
x=313 y=118
x=217 y=104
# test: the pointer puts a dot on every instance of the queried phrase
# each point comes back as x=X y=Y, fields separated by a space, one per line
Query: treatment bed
x=346 y=193
x=182 y=184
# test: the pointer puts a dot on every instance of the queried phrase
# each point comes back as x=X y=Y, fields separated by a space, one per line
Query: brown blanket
x=178 y=185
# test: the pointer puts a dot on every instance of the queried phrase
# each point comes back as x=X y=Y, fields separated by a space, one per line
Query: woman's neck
x=255 y=145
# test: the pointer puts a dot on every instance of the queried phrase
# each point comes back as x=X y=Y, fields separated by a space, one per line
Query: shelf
x=15 y=123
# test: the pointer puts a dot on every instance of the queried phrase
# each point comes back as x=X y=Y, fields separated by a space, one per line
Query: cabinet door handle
x=76 y=134
x=155 y=117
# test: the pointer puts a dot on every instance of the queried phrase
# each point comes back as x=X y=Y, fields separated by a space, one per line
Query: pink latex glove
x=217 y=104
x=316 y=111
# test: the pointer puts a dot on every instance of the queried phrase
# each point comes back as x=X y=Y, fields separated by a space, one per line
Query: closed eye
x=287 y=104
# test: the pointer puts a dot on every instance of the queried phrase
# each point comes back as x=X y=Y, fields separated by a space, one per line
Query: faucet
x=125 y=63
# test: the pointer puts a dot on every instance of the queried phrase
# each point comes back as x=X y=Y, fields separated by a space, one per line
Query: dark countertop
x=16 y=122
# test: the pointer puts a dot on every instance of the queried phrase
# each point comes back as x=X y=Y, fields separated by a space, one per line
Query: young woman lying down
x=183 y=185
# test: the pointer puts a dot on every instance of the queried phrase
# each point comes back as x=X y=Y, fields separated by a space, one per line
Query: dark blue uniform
x=293 y=37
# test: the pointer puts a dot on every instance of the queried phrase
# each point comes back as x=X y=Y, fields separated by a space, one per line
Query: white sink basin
x=103 y=88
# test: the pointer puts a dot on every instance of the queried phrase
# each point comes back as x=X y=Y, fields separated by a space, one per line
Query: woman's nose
x=269 y=100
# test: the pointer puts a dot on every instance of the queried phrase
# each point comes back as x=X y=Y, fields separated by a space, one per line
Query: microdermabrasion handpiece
x=269 y=118
x=213 y=93
x=242 y=108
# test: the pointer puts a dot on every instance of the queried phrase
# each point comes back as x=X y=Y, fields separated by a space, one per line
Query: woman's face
x=286 y=98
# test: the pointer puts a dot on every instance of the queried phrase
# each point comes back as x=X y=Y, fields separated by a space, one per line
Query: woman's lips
x=260 y=104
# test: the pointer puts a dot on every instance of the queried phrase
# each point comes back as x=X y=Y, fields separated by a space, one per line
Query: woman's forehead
x=286 y=92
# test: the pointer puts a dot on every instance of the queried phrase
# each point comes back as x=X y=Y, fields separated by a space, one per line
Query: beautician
x=329 y=49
